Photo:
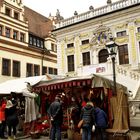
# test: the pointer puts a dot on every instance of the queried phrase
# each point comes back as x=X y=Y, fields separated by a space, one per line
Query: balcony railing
x=97 y=12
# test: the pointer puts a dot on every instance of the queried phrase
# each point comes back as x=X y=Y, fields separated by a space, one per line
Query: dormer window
x=16 y=15
x=22 y=37
x=15 y=35
x=7 y=32
x=0 y=30
x=8 y=12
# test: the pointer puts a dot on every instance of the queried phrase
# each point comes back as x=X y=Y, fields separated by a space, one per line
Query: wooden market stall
x=76 y=90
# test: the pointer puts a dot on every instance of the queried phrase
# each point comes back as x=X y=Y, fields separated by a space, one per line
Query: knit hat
x=89 y=103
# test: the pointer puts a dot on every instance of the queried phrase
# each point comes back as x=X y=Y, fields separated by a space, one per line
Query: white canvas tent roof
x=17 y=85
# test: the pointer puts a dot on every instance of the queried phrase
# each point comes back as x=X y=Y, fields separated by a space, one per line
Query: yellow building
x=81 y=45
x=26 y=46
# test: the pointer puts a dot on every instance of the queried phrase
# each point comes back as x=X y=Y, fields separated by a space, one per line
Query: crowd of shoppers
x=86 y=110
x=90 y=113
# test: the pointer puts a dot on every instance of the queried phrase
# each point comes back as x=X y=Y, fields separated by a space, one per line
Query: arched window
x=103 y=55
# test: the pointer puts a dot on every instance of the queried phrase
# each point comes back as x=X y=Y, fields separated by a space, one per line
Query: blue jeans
x=56 y=131
x=86 y=133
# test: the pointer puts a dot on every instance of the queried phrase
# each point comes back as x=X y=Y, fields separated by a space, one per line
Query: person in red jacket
x=2 y=118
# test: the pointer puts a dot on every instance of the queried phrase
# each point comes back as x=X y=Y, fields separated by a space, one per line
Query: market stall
x=74 y=90
x=28 y=107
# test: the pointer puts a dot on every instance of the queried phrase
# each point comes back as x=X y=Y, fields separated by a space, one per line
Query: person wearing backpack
x=87 y=115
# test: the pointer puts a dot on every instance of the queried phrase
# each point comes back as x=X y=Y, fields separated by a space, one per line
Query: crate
x=114 y=134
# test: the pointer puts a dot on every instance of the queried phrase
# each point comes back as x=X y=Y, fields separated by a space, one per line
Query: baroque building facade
x=81 y=42
x=26 y=46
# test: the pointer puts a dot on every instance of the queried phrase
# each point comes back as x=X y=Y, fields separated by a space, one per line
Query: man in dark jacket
x=87 y=114
x=56 y=115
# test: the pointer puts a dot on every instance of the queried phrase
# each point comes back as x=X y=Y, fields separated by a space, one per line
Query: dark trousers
x=2 y=128
x=10 y=130
x=56 y=131
x=100 y=134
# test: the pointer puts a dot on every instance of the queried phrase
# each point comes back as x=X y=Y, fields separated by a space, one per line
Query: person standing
x=2 y=118
x=87 y=115
x=56 y=115
x=101 y=123
x=11 y=118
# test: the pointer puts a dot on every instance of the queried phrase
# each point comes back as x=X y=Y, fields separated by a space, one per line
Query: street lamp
x=112 y=50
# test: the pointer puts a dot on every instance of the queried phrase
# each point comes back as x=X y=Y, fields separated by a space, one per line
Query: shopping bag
x=93 y=128
x=80 y=124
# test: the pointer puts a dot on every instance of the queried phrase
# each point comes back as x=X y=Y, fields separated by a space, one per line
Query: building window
x=50 y=70
x=85 y=42
x=70 y=62
x=8 y=12
x=31 y=40
x=15 y=35
x=16 y=15
x=38 y=43
x=53 y=47
x=22 y=37
x=122 y=33
x=123 y=54
x=7 y=32
x=103 y=55
x=139 y=47
x=44 y=70
x=36 y=70
x=16 y=68
x=6 y=67
x=138 y=29
x=55 y=71
x=42 y=44
x=29 y=70
x=1 y=29
x=70 y=45
x=34 y=41
x=86 y=58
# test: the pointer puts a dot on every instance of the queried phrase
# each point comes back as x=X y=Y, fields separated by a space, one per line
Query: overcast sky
x=66 y=7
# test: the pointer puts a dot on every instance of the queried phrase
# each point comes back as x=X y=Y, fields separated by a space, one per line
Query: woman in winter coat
x=2 y=118
x=11 y=118
x=87 y=115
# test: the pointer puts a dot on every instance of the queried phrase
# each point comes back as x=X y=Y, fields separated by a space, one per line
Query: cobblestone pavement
x=135 y=135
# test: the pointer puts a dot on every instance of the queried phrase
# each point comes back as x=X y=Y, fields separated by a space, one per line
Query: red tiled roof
x=39 y=25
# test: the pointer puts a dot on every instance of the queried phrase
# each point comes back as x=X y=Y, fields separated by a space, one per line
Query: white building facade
x=81 y=46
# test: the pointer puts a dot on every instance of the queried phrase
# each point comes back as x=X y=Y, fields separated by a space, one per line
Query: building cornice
x=72 y=21
x=39 y=56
